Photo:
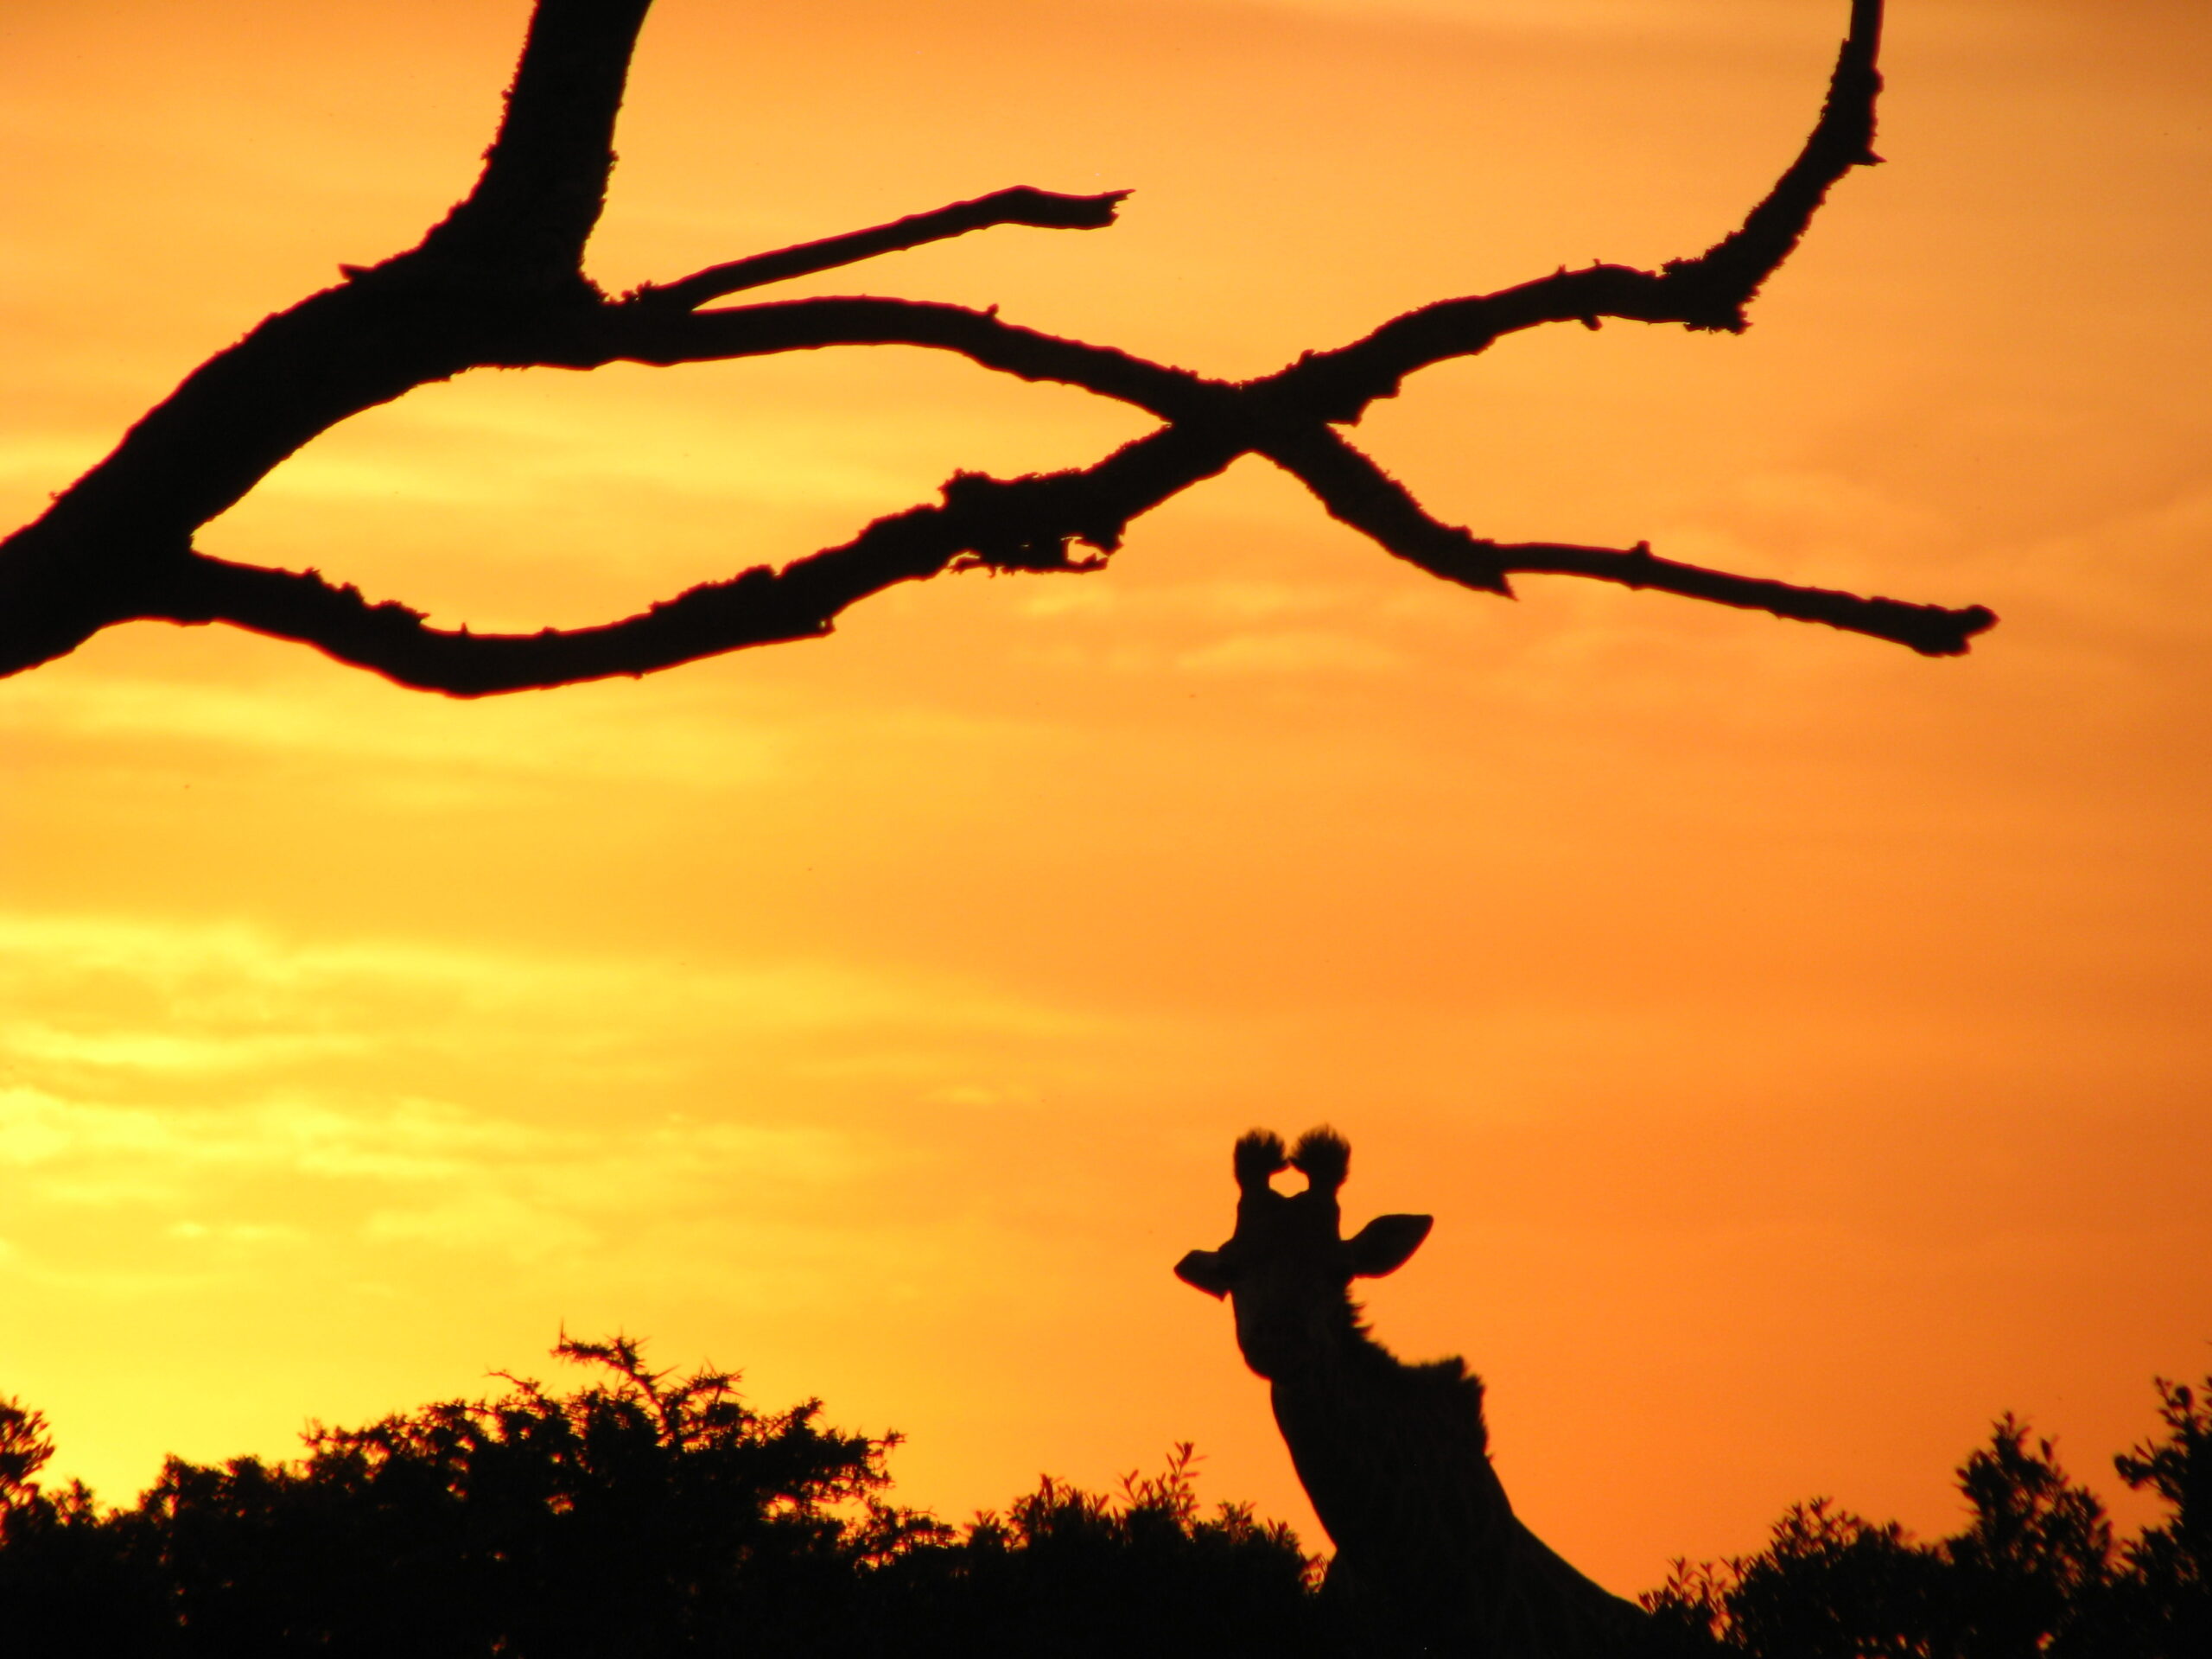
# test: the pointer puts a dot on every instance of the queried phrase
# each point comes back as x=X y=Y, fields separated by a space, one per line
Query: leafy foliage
x=636 y=1515
x=2034 y=1572
x=1071 y=1572
x=2169 y=1568
x=643 y=1514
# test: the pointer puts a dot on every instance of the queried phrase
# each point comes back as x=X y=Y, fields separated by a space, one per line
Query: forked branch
x=499 y=283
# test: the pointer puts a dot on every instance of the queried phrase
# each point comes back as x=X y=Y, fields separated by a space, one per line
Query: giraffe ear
x=1204 y=1270
x=1385 y=1242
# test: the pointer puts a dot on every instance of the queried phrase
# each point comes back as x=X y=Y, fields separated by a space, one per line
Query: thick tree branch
x=544 y=178
x=499 y=283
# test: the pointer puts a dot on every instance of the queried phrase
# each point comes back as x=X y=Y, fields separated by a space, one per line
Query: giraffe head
x=1287 y=1269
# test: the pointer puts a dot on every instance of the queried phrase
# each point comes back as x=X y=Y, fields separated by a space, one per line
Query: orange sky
x=1802 y=1045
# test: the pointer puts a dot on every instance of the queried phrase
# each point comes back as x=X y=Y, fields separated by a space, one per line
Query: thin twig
x=1022 y=205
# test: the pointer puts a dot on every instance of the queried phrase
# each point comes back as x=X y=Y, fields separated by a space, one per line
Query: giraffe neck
x=1395 y=1459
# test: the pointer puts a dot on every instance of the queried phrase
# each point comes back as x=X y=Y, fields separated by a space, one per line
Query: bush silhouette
x=636 y=1515
x=643 y=1514
x=2034 y=1572
x=1076 y=1572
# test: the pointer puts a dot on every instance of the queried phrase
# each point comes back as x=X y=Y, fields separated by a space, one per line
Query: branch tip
x=1020 y=204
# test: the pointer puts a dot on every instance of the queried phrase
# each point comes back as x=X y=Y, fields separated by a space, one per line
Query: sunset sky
x=1803 y=1045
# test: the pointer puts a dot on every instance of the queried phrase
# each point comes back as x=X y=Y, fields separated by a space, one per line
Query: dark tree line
x=636 y=1515
x=642 y=1515
x=2035 y=1574
x=500 y=282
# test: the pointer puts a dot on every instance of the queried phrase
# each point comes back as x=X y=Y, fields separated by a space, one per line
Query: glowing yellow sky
x=1803 y=1045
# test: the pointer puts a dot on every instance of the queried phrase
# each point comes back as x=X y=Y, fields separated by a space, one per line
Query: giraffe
x=1395 y=1457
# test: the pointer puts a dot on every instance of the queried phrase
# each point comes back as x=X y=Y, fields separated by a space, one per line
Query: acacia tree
x=499 y=283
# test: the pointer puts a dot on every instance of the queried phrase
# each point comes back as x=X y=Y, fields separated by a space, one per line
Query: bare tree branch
x=641 y=332
x=1025 y=523
x=544 y=178
x=1361 y=494
x=1931 y=630
x=1022 y=205
x=1710 y=291
x=1728 y=275
x=1358 y=492
x=499 y=282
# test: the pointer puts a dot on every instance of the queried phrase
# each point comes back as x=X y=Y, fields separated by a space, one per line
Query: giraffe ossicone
x=1396 y=1457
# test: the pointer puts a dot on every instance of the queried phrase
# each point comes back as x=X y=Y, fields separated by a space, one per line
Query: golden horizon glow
x=1803 y=1045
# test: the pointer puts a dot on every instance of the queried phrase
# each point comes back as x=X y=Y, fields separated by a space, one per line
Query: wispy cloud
x=278 y=1172
x=214 y=1089
x=516 y=739
x=165 y=1016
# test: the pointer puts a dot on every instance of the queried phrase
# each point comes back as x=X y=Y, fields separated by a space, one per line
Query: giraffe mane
x=1368 y=1353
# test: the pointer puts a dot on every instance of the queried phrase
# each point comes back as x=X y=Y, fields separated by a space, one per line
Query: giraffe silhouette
x=1396 y=1457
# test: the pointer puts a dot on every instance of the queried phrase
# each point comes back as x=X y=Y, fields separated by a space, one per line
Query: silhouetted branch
x=544 y=178
x=1361 y=495
x=1729 y=274
x=1931 y=630
x=1023 y=205
x=641 y=331
x=1357 y=492
x=1710 y=291
x=1024 y=523
x=499 y=283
